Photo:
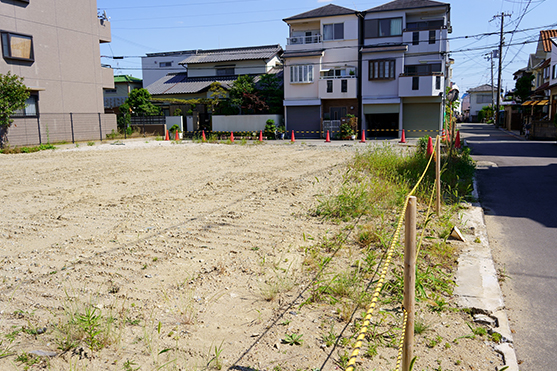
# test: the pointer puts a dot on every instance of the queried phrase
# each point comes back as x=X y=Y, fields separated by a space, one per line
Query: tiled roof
x=480 y=89
x=329 y=10
x=406 y=4
x=546 y=36
x=180 y=83
x=168 y=54
x=233 y=54
x=126 y=78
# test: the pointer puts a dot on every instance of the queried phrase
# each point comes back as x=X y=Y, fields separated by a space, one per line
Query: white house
x=320 y=71
x=388 y=65
x=406 y=68
x=155 y=66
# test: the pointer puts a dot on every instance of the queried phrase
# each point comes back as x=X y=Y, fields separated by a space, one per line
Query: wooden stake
x=409 y=281
x=438 y=176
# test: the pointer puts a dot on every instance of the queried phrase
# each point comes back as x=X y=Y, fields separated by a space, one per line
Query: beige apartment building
x=54 y=46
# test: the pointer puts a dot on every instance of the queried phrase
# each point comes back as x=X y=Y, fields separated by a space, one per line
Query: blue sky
x=141 y=26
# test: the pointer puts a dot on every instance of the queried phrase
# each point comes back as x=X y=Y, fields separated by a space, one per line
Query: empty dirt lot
x=162 y=256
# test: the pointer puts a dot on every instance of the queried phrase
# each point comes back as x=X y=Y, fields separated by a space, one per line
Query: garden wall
x=244 y=122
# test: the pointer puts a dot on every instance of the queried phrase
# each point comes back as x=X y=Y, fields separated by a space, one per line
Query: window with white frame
x=16 y=46
x=483 y=98
x=382 y=27
x=333 y=31
x=225 y=71
x=383 y=69
x=165 y=64
x=555 y=71
x=301 y=74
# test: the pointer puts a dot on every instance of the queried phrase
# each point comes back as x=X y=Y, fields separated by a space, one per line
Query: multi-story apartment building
x=387 y=65
x=54 y=46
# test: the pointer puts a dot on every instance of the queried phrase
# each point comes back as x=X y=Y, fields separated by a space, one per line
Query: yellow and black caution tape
x=371 y=307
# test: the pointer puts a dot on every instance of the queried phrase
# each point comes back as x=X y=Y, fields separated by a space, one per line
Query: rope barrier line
x=379 y=287
x=401 y=345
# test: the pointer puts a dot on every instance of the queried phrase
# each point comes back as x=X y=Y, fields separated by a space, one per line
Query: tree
x=244 y=95
x=217 y=94
x=271 y=92
x=13 y=94
x=139 y=102
x=523 y=87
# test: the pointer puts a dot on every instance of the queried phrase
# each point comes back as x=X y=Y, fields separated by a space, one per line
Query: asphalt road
x=517 y=184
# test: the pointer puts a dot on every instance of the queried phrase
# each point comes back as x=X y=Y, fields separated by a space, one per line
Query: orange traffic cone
x=166 y=136
x=328 y=139
x=403 y=137
x=261 y=135
x=363 y=137
x=177 y=137
x=429 y=147
x=292 y=139
x=457 y=140
x=232 y=136
x=203 y=136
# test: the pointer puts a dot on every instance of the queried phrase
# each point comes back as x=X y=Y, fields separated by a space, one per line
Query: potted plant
x=270 y=129
x=353 y=123
x=346 y=131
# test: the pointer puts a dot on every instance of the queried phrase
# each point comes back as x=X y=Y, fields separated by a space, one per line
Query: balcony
x=421 y=86
x=105 y=35
x=304 y=42
x=337 y=87
x=107 y=78
x=439 y=44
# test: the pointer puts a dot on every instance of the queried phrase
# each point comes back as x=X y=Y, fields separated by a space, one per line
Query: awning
x=544 y=102
x=528 y=103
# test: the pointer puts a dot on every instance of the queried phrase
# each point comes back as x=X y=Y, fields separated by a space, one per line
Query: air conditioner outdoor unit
x=294 y=40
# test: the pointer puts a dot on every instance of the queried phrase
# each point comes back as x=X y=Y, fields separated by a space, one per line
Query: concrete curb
x=477 y=282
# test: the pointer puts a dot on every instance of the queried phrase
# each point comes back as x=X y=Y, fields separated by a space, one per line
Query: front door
x=337 y=113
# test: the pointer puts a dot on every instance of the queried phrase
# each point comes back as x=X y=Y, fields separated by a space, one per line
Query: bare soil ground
x=161 y=256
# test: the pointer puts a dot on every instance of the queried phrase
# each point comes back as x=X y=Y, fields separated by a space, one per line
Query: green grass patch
x=15 y=150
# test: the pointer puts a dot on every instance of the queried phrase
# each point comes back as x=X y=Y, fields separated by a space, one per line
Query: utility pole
x=490 y=57
x=501 y=40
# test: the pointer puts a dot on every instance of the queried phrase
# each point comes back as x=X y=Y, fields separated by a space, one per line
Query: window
x=110 y=91
x=329 y=86
x=382 y=69
x=483 y=98
x=30 y=107
x=333 y=31
x=15 y=46
x=225 y=71
x=438 y=82
x=425 y=25
x=555 y=71
x=415 y=38
x=422 y=69
x=344 y=86
x=301 y=74
x=416 y=83
x=432 y=37
x=165 y=64
x=382 y=27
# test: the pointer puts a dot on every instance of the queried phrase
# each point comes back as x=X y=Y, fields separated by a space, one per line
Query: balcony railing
x=337 y=77
x=302 y=40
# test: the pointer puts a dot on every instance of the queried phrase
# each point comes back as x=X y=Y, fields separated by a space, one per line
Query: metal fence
x=60 y=127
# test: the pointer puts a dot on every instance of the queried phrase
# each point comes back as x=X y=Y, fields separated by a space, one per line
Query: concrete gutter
x=477 y=285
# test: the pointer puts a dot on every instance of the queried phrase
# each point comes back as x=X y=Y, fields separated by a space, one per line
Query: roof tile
x=546 y=36
x=407 y=4
x=329 y=10
x=233 y=54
